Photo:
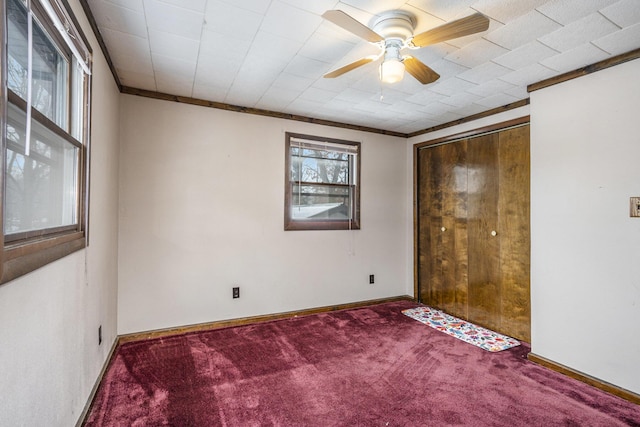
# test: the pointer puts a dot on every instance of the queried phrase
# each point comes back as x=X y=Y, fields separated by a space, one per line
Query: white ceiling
x=271 y=54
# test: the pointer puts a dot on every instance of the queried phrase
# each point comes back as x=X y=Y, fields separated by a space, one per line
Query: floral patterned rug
x=465 y=331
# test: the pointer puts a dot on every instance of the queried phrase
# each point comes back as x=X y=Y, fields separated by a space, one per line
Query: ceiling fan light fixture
x=391 y=71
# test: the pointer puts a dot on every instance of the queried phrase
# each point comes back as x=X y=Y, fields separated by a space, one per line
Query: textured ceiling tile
x=287 y=21
x=135 y=5
x=243 y=97
x=223 y=18
x=484 y=73
x=306 y=67
x=125 y=44
x=567 y=11
x=373 y=106
x=470 y=110
x=258 y=6
x=172 y=19
x=497 y=100
x=353 y=95
x=316 y=6
x=425 y=97
x=218 y=45
x=339 y=104
x=318 y=95
x=476 y=53
x=623 y=13
x=169 y=84
x=575 y=58
x=374 y=6
x=167 y=66
x=137 y=79
x=289 y=81
x=403 y=107
x=621 y=41
x=276 y=99
x=215 y=93
x=522 y=30
x=448 y=116
x=260 y=69
x=137 y=63
x=451 y=86
x=579 y=32
x=118 y=18
x=433 y=109
x=211 y=71
x=325 y=48
x=525 y=55
x=272 y=46
x=445 y=10
x=304 y=107
x=519 y=92
x=196 y=5
x=168 y=44
x=461 y=99
x=490 y=88
x=506 y=11
x=528 y=75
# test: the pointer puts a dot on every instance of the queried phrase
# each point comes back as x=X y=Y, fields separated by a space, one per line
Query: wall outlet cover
x=635 y=207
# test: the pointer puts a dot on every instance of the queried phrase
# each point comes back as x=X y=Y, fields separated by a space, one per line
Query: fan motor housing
x=395 y=24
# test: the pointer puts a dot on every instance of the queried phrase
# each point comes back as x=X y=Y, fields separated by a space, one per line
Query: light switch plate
x=635 y=207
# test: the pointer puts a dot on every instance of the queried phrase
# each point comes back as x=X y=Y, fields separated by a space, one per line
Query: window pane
x=41 y=190
x=320 y=166
x=50 y=68
x=321 y=201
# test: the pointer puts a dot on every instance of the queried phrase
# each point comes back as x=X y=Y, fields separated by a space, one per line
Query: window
x=322 y=183
x=45 y=123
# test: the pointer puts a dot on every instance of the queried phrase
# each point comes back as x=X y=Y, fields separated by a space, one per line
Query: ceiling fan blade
x=421 y=72
x=340 y=71
x=452 y=30
x=352 y=25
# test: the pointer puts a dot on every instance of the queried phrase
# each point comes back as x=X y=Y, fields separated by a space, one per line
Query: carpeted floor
x=371 y=366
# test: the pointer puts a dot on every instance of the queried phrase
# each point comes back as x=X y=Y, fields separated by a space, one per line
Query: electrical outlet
x=236 y=292
x=371 y=279
x=99 y=334
x=635 y=207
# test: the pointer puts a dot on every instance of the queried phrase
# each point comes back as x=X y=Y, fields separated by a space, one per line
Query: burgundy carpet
x=372 y=366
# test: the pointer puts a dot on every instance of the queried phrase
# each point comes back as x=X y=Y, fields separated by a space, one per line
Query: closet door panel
x=515 y=245
x=453 y=182
x=429 y=207
x=484 y=248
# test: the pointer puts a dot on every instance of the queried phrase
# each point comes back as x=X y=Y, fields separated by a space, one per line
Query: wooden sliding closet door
x=473 y=229
x=484 y=247
x=443 y=233
x=514 y=229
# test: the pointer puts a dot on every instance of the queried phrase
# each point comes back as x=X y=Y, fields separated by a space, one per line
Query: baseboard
x=94 y=390
x=595 y=382
x=137 y=336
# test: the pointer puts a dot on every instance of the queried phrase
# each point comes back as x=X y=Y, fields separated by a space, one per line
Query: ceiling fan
x=393 y=32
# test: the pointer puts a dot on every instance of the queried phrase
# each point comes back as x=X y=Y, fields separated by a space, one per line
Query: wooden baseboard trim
x=592 y=381
x=94 y=390
x=158 y=333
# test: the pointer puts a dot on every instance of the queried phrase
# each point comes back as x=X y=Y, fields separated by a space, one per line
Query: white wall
x=202 y=210
x=585 y=251
x=49 y=353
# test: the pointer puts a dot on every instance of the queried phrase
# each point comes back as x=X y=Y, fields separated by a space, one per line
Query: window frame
x=24 y=252
x=292 y=224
